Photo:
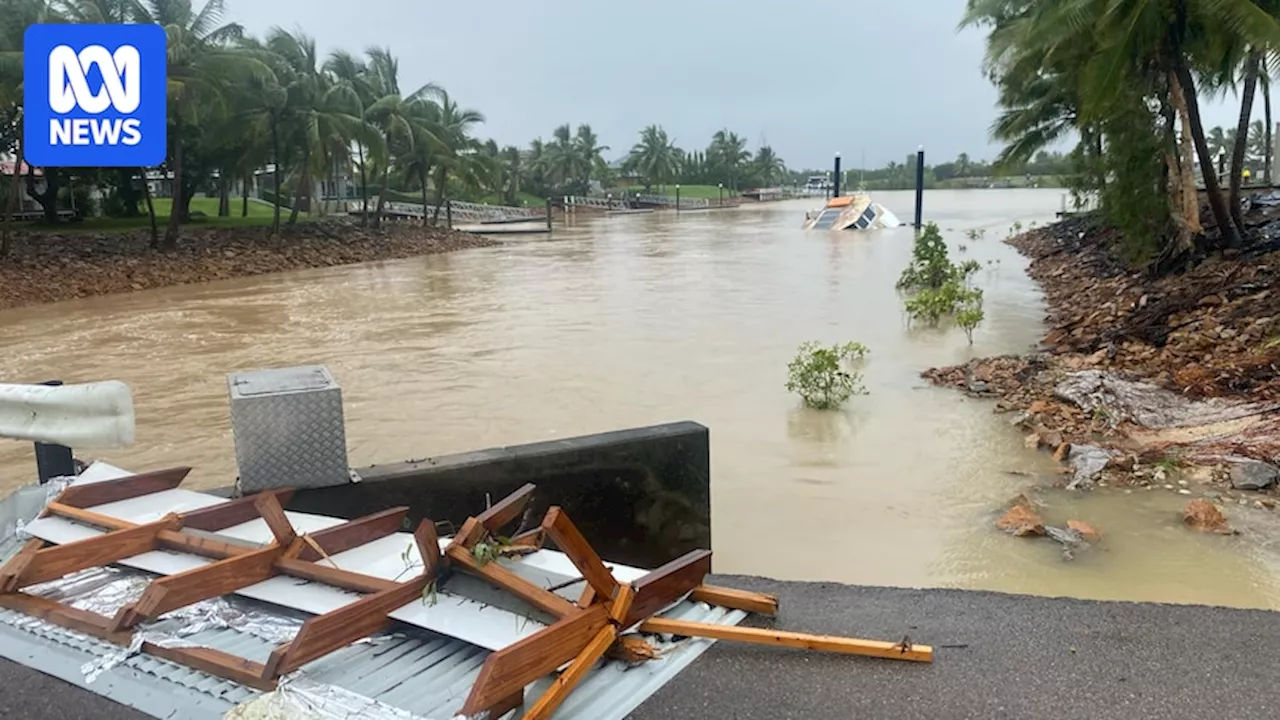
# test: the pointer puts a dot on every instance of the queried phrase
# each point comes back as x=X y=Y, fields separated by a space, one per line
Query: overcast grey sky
x=810 y=77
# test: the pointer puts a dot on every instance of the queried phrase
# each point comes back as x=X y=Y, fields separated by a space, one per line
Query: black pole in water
x=448 y=213
x=835 y=187
x=548 y=214
x=677 y=198
x=919 y=188
x=53 y=460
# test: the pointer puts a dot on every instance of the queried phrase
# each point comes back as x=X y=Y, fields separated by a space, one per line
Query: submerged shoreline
x=50 y=266
x=1140 y=378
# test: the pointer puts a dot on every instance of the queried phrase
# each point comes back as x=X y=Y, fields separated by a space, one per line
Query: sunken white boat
x=851 y=212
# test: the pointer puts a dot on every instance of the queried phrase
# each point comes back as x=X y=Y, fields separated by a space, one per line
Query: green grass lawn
x=686 y=191
x=259 y=214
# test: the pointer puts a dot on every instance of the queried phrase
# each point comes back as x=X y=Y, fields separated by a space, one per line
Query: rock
x=1084 y=530
x=1210 y=300
x=1202 y=515
x=1087 y=463
x=1032 y=441
x=1253 y=475
x=1021 y=519
x=1060 y=454
x=979 y=387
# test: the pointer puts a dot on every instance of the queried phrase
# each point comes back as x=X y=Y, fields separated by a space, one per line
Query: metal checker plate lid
x=306 y=378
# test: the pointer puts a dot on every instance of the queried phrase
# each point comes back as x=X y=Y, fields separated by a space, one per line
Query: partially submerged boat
x=851 y=212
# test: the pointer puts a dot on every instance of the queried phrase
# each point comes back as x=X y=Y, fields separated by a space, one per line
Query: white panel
x=150 y=508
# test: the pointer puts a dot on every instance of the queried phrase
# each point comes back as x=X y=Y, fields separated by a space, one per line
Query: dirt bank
x=1139 y=375
x=51 y=266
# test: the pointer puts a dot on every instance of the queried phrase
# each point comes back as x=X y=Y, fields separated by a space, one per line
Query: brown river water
x=639 y=319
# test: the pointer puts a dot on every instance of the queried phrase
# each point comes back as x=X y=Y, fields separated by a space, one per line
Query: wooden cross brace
x=586 y=630
x=236 y=566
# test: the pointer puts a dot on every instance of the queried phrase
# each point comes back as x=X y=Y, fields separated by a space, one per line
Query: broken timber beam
x=322 y=634
x=734 y=599
x=510 y=669
x=668 y=584
x=803 y=641
x=569 y=539
x=57 y=561
x=352 y=534
x=86 y=495
x=505 y=579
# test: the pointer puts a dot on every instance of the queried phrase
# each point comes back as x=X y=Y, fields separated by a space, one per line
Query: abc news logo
x=69 y=90
x=95 y=95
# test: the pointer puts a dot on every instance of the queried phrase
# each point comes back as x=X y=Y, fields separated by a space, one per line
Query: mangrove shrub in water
x=939 y=288
x=823 y=376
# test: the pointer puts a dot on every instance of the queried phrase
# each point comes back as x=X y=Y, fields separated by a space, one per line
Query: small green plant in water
x=822 y=375
x=939 y=288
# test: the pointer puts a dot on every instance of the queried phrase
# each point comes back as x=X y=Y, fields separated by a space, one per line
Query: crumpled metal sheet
x=1148 y=405
x=299 y=698
x=41 y=496
x=105 y=590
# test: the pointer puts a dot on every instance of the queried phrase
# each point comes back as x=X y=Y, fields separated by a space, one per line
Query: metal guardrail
x=457 y=210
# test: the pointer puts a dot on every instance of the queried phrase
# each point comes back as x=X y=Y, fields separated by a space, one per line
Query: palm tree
x=345 y=68
x=767 y=166
x=590 y=153
x=203 y=59
x=324 y=115
x=727 y=154
x=655 y=157
x=449 y=128
x=392 y=113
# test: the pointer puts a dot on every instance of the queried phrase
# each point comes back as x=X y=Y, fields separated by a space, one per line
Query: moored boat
x=851 y=212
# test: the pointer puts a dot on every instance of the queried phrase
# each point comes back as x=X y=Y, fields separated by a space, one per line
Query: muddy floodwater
x=640 y=319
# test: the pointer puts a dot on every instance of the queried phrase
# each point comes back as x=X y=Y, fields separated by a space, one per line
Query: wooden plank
x=215 y=662
x=428 y=546
x=202 y=546
x=668 y=584
x=515 y=666
x=803 y=641
x=505 y=511
x=60 y=560
x=88 y=517
x=66 y=616
x=569 y=539
x=353 y=533
x=504 y=579
x=87 y=495
x=344 y=579
x=232 y=513
x=271 y=511
x=566 y=681
x=203 y=583
x=19 y=562
x=754 y=602
x=323 y=634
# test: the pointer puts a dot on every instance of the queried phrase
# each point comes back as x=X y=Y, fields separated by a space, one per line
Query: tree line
x=238 y=104
x=1126 y=79
x=964 y=171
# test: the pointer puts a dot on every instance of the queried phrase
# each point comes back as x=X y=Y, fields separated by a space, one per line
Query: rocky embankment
x=50 y=266
x=1168 y=383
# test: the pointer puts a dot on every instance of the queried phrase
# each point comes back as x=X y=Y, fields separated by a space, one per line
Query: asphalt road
x=995 y=657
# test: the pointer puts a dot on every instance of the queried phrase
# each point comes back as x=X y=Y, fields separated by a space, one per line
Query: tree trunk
x=1242 y=136
x=364 y=188
x=175 y=212
x=275 y=175
x=1268 y=151
x=442 y=177
x=382 y=197
x=49 y=198
x=151 y=211
x=128 y=193
x=244 y=196
x=224 y=194
x=11 y=204
x=1217 y=204
x=421 y=177
x=1189 y=199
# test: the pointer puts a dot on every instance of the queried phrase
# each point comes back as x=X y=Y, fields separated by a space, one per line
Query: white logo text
x=69 y=91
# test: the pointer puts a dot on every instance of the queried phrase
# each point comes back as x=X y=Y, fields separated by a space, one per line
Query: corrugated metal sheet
x=414 y=670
